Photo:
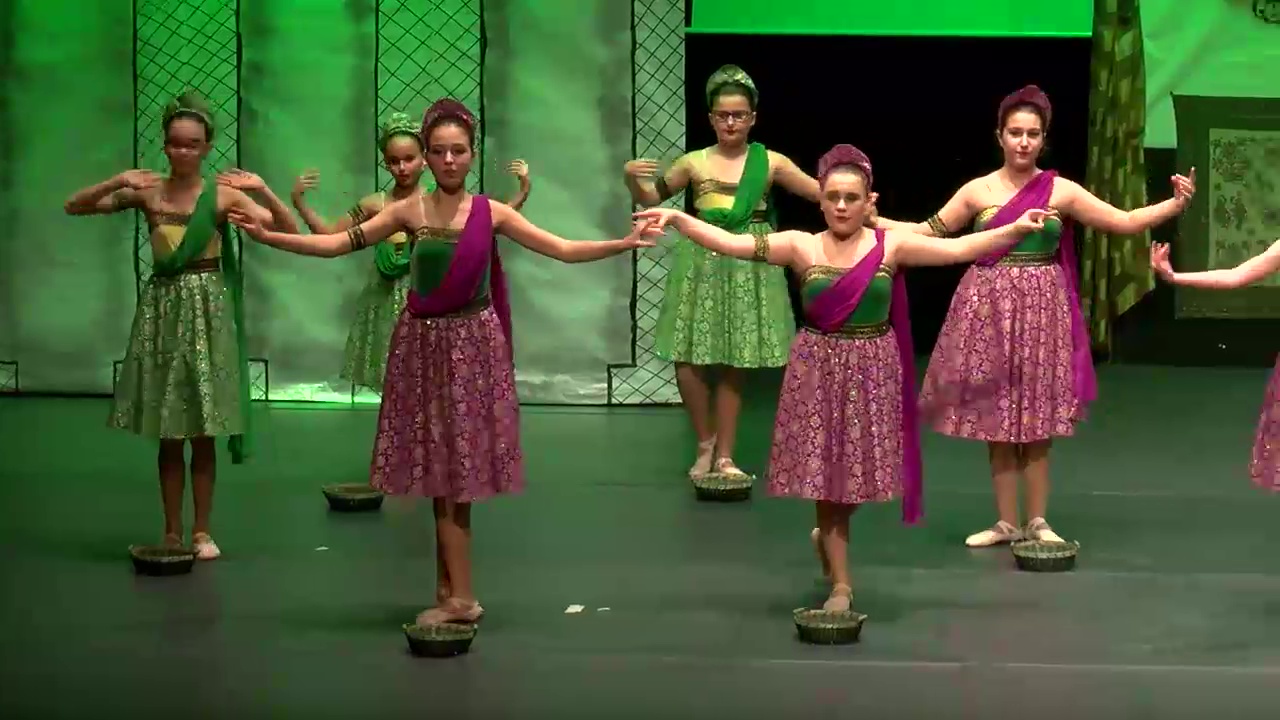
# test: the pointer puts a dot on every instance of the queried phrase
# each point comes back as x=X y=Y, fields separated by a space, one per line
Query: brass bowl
x=824 y=627
x=715 y=487
x=1038 y=556
x=439 y=641
x=353 y=497
x=162 y=560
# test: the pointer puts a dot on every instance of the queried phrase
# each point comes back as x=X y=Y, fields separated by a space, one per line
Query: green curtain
x=1115 y=272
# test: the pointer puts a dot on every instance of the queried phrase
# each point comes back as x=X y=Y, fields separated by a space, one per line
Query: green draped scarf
x=751 y=189
x=195 y=240
x=392 y=260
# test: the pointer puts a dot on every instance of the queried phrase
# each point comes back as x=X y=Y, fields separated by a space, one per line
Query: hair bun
x=1029 y=95
x=844 y=155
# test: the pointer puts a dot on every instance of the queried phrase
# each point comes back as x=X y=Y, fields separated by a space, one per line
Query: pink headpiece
x=844 y=156
x=1029 y=95
x=447 y=109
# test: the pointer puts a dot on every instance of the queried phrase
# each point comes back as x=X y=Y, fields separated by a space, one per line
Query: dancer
x=184 y=376
x=846 y=431
x=383 y=297
x=719 y=311
x=1264 y=462
x=449 y=424
x=1012 y=365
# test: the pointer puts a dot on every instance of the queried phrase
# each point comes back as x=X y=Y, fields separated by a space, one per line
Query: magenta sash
x=1036 y=194
x=829 y=311
x=477 y=248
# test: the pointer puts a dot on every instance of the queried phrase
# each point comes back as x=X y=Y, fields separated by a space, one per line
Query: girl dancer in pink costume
x=846 y=430
x=1012 y=366
x=1264 y=464
x=449 y=424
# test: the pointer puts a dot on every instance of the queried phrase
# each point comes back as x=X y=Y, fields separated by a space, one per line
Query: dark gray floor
x=1173 y=613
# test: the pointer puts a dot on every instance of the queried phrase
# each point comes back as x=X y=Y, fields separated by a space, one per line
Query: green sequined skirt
x=369 y=339
x=181 y=377
x=718 y=310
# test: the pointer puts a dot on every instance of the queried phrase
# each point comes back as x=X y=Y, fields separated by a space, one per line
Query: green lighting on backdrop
x=976 y=18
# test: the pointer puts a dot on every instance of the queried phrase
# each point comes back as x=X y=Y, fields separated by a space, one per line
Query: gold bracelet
x=762 y=248
x=936 y=225
x=355 y=234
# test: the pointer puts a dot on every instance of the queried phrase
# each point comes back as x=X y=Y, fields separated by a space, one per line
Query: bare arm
x=648 y=193
x=370 y=232
x=919 y=250
x=775 y=248
x=512 y=224
x=1246 y=273
x=1085 y=207
x=956 y=214
x=104 y=198
x=520 y=169
x=796 y=181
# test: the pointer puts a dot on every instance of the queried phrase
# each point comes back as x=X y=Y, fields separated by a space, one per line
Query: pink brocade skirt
x=449 y=426
x=1264 y=465
x=1007 y=333
x=838 y=433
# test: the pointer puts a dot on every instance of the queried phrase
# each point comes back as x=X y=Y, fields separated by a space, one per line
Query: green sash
x=195 y=240
x=392 y=260
x=751 y=190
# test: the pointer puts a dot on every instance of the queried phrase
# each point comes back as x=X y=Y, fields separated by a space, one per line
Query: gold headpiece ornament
x=731 y=75
x=189 y=104
x=396 y=124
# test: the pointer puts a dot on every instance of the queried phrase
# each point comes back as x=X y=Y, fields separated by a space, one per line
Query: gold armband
x=762 y=248
x=355 y=234
x=357 y=215
x=936 y=225
x=664 y=192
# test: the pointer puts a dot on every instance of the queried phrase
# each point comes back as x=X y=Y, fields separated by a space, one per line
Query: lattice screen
x=180 y=45
x=429 y=49
x=657 y=32
x=9 y=377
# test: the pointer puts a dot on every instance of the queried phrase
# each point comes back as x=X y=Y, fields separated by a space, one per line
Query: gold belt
x=474 y=307
x=1027 y=259
x=860 y=332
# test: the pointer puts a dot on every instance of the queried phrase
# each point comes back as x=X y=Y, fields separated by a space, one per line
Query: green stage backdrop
x=574 y=88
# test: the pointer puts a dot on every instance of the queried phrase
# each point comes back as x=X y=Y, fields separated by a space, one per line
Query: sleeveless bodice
x=710 y=193
x=166 y=236
x=377 y=202
x=433 y=250
x=1040 y=242
x=873 y=307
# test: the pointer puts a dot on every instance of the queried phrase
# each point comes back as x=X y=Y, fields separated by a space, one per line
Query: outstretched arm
x=1246 y=273
x=358 y=237
x=914 y=249
x=775 y=248
x=512 y=224
x=956 y=214
x=278 y=216
x=796 y=181
x=1089 y=210
x=122 y=192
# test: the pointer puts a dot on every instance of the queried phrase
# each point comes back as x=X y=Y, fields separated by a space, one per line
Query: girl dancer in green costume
x=184 y=377
x=719 y=310
x=379 y=305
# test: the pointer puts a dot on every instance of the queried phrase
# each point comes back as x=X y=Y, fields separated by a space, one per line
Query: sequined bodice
x=873 y=307
x=433 y=250
x=1035 y=243
x=166 y=236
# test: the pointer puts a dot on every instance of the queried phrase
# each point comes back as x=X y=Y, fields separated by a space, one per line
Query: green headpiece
x=190 y=104
x=397 y=124
x=730 y=75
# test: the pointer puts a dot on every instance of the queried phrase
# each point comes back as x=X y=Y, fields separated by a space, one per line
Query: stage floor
x=1174 y=611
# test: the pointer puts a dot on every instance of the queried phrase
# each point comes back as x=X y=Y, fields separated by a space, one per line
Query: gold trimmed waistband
x=859 y=332
x=1026 y=259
